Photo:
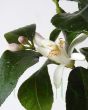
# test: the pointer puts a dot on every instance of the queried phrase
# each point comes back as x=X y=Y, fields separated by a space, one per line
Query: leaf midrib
x=37 y=99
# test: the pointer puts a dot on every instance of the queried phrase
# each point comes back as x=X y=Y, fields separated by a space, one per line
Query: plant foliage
x=36 y=92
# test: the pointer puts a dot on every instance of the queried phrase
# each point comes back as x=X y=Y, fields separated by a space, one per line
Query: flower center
x=55 y=50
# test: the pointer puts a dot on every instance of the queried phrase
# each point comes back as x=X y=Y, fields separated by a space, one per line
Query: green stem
x=58 y=10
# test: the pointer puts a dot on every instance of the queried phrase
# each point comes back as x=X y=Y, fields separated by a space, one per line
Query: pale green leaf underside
x=79 y=39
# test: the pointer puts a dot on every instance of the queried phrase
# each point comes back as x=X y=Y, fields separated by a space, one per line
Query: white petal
x=42 y=42
x=80 y=38
x=43 y=51
x=77 y=56
x=51 y=50
x=61 y=59
x=38 y=39
x=58 y=75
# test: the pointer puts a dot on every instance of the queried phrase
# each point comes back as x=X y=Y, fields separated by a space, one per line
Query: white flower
x=56 y=51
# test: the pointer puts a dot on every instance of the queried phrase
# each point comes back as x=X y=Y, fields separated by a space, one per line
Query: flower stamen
x=54 y=51
x=61 y=43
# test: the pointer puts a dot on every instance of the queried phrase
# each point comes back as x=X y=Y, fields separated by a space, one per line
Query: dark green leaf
x=77 y=90
x=54 y=34
x=84 y=13
x=75 y=51
x=12 y=65
x=77 y=21
x=80 y=1
x=71 y=22
x=27 y=31
x=85 y=52
x=36 y=92
x=70 y=36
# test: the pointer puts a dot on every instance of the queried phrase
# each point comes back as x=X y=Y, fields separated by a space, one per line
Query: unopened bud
x=23 y=40
x=15 y=47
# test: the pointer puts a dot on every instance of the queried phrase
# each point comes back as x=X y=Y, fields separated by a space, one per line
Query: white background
x=18 y=13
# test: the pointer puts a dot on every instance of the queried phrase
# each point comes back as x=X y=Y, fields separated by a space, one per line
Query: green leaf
x=77 y=21
x=85 y=52
x=36 y=92
x=71 y=22
x=79 y=39
x=54 y=34
x=75 y=50
x=82 y=3
x=27 y=31
x=12 y=66
x=77 y=90
x=70 y=36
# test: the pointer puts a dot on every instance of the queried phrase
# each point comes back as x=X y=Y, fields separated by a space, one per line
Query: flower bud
x=23 y=40
x=15 y=47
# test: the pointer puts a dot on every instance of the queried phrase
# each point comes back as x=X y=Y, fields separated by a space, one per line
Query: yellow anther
x=61 y=42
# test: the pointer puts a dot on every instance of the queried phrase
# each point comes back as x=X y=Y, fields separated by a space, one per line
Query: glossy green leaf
x=70 y=36
x=36 y=92
x=85 y=52
x=27 y=31
x=54 y=34
x=77 y=90
x=12 y=66
x=77 y=22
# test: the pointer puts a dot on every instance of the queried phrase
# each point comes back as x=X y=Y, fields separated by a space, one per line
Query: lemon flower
x=57 y=52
